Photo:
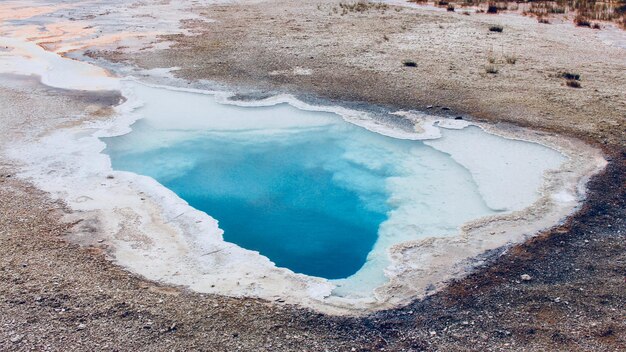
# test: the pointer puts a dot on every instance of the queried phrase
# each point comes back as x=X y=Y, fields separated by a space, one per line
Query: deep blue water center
x=275 y=200
x=281 y=196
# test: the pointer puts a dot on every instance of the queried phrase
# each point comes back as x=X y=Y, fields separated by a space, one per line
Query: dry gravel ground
x=57 y=296
x=307 y=48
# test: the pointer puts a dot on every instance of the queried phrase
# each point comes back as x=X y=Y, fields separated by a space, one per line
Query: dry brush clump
x=572 y=83
x=570 y=75
x=581 y=12
x=572 y=79
x=495 y=61
x=510 y=59
x=491 y=69
x=362 y=6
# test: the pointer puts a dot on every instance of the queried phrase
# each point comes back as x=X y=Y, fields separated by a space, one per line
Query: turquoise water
x=311 y=192
x=275 y=198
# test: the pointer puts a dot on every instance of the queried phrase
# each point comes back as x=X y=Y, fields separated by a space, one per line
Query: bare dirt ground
x=357 y=56
x=57 y=296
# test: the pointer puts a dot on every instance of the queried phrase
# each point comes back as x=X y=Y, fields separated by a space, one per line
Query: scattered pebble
x=526 y=277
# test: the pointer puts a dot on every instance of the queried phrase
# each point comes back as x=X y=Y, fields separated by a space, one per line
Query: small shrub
x=570 y=76
x=450 y=8
x=492 y=8
x=409 y=63
x=596 y=26
x=557 y=10
x=573 y=83
x=492 y=69
x=496 y=28
x=362 y=6
x=582 y=21
x=543 y=20
x=510 y=59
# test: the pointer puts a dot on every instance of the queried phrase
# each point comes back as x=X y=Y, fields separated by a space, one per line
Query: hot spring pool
x=316 y=194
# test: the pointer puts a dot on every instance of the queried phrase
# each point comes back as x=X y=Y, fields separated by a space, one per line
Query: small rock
x=445 y=108
x=81 y=327
x=433 y=333
x=557 y=300
x=429 y=107
x=17 y=338
x=459 y=118
x=526 y=277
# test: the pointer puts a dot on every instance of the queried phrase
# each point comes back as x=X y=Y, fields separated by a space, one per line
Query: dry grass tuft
x=582 y=11
x=362 y=6
x=510 y=59
x=570 y=76
x=573 y=83
x=491 y=69
x=582 y=21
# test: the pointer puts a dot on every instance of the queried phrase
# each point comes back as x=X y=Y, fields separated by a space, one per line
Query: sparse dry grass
x=582 y=21
x=573 y=83
x=570 y=76
x=581 y=11
x=361 y=6
x=491 y=69
x=510 y=59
